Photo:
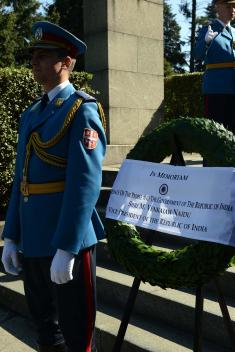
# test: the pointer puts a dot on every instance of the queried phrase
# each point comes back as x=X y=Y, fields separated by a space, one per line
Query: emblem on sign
x=90 y=138
x=38 y=33
x=163 y=189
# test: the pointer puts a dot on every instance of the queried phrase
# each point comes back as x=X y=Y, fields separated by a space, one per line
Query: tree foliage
x=172 y=42
x=188 y=9
x=168 y=70
x=69 y=15
x=8 y=43
x=210 y=14
x=16 y=19
x=183 y=96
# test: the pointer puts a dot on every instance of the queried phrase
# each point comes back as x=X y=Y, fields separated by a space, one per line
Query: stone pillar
x=125 y=53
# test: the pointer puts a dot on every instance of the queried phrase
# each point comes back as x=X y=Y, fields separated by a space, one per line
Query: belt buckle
x=24 y=188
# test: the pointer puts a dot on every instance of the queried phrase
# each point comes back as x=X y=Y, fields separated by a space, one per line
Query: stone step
x=174 y=307
x=141 y=336
x=108 y=176
x=164 y=242
x=17 y=333
x=103 y=197
x=154 y=336
x=106 y=260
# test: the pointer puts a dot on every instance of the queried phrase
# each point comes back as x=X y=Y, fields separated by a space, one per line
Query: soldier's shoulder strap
x=88 y=98
x=35 y=101
x=84 y=96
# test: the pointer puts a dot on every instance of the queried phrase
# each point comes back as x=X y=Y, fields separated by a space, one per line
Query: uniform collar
x=52 y=107
x=220 y=27
x=56 y=90
x=223 y=24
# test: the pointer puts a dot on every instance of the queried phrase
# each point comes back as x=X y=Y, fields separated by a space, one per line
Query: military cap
x=48 y=35
x=214 y=2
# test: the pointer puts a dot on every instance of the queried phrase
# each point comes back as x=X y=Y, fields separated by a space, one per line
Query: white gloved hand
x=210 y=35
x=62 y=267
x=10 y=257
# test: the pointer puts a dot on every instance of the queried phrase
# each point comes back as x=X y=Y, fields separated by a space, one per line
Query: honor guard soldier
x=215 y=46
x=51 y=218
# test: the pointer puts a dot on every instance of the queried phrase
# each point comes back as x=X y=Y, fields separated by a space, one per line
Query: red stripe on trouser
x=89 y=295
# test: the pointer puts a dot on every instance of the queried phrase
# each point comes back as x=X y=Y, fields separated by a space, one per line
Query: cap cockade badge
x=38 y=33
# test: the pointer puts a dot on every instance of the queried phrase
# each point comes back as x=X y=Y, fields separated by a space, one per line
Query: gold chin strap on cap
x=39 y=147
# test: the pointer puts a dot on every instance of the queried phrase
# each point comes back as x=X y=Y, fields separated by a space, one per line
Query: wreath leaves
x=194 y=264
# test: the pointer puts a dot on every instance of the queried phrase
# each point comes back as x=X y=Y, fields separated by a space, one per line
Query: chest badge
x=90 y=138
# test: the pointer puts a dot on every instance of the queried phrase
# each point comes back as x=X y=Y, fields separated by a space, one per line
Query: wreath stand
x=177 y=159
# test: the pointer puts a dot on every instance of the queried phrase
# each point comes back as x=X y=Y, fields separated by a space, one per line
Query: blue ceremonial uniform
x=41 y=223
x=220 y=50
x=51 y=215
x=219 y=77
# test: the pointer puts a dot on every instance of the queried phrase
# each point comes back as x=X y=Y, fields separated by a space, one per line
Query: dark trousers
x=220 y=108
x=66 y=312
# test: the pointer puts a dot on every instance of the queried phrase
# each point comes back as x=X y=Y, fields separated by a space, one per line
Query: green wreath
x=194 y=264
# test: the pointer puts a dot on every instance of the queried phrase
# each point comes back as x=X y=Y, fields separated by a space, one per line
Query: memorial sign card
x=193 y=202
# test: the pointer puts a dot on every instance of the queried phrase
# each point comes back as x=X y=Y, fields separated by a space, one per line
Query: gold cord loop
x=39 y=148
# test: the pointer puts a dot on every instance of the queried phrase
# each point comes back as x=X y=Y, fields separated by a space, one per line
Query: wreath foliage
x=194 y=264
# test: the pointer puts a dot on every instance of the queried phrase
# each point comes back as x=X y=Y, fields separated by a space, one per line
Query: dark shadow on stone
x=157 y=118
x=8 y=277
x=20 y=327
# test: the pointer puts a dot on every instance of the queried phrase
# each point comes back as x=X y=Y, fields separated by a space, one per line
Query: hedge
x=17 y=91
x=183 y=96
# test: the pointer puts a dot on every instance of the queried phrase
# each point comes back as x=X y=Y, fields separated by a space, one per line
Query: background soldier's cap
x=214 y=2
x=48 y=35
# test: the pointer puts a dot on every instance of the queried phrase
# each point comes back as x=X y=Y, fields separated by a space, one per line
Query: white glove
x=62 y=267
x=10 y=257
x=210 y=35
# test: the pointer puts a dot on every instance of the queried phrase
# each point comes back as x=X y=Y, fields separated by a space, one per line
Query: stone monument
x=125 y=54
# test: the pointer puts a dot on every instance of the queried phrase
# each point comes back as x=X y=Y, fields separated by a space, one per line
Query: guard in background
x=215 y=46
x=51 y=216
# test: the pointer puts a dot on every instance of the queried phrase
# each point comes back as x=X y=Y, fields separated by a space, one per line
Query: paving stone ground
x=16 y=333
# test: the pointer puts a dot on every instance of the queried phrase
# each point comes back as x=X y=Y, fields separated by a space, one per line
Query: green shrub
x=183 y=96
x=17 y=91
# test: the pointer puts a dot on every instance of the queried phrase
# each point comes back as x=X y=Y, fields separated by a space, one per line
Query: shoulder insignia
x=90 y=138
x=85 y=96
